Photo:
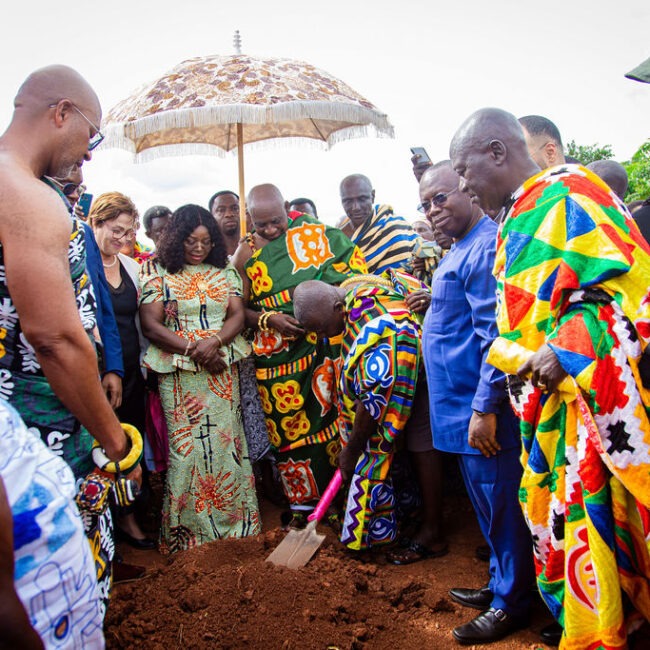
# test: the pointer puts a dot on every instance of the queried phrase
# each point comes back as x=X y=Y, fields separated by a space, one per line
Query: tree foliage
x=587 y=153
x=638 y=172
x=638 y=167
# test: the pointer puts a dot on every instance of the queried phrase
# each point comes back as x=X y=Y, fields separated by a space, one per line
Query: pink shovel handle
x=326 y=499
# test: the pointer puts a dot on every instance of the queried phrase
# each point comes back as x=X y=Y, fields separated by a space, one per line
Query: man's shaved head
x=319 y=308
x=263 y=195
x=50 y=85
x=56 y=116
x=490 y=155
x=357 y=198
x=613 y=174
x=268 y=211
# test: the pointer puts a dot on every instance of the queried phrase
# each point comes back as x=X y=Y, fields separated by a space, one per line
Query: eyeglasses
x=438 y=200
x=95 y=140
x=119 y=233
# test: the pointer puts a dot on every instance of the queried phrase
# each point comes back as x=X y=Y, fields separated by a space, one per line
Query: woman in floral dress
x=192 y=311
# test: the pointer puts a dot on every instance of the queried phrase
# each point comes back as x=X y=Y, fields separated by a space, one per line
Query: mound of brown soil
x=224 y=595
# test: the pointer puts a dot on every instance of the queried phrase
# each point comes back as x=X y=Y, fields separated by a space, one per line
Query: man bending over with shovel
x=380 y=353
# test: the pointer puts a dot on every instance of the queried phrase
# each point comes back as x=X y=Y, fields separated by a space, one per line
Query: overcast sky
x=427 y=64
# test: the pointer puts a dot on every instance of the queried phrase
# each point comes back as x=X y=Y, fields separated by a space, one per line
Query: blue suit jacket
x=105 y=317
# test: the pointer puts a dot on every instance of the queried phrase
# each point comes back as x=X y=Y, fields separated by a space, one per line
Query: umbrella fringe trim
x=203 y=149
x=247 y=114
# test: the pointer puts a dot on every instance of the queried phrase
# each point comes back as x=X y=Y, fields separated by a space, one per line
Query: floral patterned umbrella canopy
x=214 y=104
x=196 y=107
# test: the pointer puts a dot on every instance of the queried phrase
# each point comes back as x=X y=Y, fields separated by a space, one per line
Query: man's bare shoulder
x=28 y=207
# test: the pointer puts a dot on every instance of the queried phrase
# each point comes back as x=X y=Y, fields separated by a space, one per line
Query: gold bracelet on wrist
x=262 y=323
x=216 y=336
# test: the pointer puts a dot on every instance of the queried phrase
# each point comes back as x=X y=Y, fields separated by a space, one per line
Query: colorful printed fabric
x=22 y=382
x=296 y=378
x=210 y=488
x=25 y=387
x=380 y=351
x=573 y=271
x=386 y=241
x=54 y=571
x=142 y=252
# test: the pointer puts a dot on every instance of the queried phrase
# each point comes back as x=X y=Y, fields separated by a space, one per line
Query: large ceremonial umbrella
x=641 y=72
x=214 y=104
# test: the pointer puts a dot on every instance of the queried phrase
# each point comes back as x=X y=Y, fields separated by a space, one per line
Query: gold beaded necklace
x=372 y=279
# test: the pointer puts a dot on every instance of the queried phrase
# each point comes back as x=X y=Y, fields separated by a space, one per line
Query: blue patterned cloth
x=54 y=568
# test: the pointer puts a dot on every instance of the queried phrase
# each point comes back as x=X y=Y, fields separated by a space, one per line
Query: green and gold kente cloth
x=574 y=272
x=297 y=378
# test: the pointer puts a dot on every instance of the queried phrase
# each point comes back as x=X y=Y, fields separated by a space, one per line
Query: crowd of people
x=507 y=331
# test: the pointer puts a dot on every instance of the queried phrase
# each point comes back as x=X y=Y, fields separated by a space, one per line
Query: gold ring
x=542 y=386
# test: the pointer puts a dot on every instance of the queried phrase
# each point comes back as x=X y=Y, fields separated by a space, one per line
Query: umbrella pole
x=240 y=165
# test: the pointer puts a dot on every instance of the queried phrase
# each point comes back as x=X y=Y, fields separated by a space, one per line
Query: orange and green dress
x=210 y=487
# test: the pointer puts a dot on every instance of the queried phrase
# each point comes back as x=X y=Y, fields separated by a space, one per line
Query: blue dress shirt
x=458 y=330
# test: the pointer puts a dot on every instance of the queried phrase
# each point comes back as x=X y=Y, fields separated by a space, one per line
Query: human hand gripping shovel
x=298 y=547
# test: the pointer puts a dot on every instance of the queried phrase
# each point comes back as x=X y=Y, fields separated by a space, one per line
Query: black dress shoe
x=551 y=634
x=489 y=626
x=483 y=553
x=144 y=544
x=476 y=598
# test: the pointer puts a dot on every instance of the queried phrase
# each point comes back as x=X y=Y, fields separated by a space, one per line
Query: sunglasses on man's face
x=438 y=200
x=70 y=188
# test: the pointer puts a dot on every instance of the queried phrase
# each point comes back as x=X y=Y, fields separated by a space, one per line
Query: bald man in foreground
x=573 y=275
x=48 y=369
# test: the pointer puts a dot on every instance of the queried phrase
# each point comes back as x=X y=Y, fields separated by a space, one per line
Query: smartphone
x=421 y=151
x=84 y=203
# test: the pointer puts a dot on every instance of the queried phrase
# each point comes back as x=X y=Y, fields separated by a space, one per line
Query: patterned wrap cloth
x=54 y=570
x=297 y=378
x=25 y=387
x=573 y=271
x=380 y=351
x=386 y=241
x=210 y=488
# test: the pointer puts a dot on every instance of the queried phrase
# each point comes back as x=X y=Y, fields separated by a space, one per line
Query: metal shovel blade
x=297 y=548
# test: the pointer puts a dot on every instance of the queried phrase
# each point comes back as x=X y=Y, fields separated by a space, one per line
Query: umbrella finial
x=237 y=42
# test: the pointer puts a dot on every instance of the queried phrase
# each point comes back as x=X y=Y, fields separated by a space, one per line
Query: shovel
x=298 y=547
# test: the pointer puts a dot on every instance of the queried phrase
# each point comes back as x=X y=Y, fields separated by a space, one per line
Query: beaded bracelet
x=129 y=462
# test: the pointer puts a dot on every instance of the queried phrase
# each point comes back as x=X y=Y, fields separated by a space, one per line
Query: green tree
x=589 y=152
x=638 y=173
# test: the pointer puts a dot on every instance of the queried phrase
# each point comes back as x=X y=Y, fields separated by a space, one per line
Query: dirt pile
x=224 y=595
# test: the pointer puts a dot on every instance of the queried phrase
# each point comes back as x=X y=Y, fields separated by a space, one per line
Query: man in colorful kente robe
x=295 y=372
x=573 y=275
x=380 y=353
x=385 y=239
